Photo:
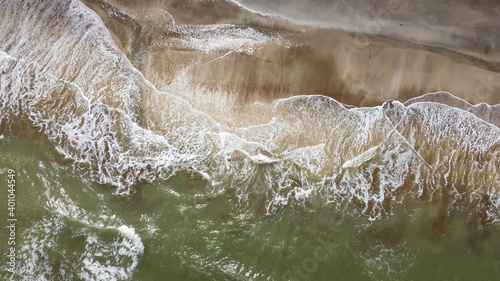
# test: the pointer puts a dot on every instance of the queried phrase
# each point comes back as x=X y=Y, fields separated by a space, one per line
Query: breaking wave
x=61 y=71
x=108 y=253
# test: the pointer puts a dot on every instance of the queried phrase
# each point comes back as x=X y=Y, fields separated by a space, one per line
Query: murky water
x=167 y=141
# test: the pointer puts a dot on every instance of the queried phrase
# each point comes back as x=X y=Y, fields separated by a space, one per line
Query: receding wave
x=61 y=71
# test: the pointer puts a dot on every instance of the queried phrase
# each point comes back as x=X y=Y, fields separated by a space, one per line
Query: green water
x=189 y=235
x=303 y=188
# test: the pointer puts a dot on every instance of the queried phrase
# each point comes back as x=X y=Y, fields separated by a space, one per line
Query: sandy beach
x=250 y=140
x=285 y=59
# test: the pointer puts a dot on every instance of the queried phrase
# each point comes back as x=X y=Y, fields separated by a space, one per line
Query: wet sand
x=355 y=69
x=130 y=183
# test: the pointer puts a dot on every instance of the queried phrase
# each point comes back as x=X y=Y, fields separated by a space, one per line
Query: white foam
x=128 y=247
x=99 y=112
x=260 y=158
x=360 y=159
x=101 y=259
x=221 y=37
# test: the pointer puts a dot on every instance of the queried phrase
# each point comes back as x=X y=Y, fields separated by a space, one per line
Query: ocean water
x=154 y=140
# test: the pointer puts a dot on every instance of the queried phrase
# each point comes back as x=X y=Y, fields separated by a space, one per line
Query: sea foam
x=73 y=84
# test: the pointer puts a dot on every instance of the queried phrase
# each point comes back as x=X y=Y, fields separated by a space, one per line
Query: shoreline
x=353 y=68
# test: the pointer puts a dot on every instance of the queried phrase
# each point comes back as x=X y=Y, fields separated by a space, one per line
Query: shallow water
x=72 y=228
x=130 y=166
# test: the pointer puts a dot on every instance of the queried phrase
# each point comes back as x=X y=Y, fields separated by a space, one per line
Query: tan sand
x=355 y=69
